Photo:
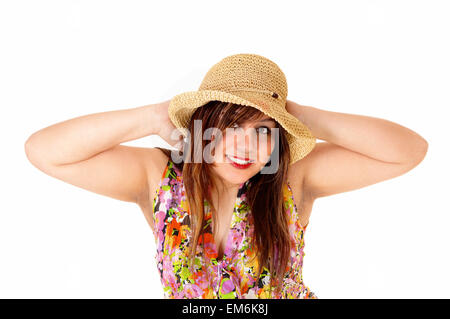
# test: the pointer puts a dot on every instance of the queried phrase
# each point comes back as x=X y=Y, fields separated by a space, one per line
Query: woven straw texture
x=251 y=80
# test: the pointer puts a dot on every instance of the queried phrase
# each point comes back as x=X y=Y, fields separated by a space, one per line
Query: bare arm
x=358 y=150
x=85 y=151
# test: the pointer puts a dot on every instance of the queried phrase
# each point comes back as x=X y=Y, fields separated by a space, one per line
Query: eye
x=267 y=130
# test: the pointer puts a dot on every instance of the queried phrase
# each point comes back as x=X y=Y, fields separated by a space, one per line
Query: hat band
x=273 y=94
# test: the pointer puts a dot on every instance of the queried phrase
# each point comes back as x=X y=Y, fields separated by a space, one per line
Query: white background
x=63 y=59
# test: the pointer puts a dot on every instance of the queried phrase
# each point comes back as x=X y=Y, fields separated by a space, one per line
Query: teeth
x=238 y=161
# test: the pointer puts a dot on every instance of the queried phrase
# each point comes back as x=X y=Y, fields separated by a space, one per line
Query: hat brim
x=300 y=138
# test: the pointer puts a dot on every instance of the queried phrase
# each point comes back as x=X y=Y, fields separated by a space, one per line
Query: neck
x=221 y=189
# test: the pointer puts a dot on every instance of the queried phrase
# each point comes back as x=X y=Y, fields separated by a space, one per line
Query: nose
x=245 y=143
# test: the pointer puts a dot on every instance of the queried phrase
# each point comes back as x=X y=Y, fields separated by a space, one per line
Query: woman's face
x=252 y=141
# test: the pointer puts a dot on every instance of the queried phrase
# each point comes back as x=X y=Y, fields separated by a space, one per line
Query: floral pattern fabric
x=233 y=276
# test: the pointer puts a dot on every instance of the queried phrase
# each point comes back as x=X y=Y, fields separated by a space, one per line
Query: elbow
x=423 y=149
x=420 y=151
x=31 y=151
x=28 y=148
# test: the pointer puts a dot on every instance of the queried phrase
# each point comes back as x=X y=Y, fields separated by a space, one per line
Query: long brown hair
x=264 y=195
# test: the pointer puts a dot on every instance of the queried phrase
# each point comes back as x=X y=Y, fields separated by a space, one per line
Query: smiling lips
x=240 y=162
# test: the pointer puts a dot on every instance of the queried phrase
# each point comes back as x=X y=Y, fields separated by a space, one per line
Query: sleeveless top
x=233 y=276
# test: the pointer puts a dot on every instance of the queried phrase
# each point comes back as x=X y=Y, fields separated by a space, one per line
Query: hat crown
x=247 y=72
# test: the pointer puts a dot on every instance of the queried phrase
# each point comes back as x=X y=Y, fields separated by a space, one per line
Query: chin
x=233 y=178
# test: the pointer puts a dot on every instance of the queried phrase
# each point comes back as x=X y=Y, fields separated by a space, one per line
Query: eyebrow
x=267 y=120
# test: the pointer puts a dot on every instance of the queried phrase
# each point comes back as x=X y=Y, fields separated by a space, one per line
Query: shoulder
x=156 y=162
x=164 y=172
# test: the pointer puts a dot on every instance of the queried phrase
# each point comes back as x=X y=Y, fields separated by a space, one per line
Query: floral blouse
x=233 y=276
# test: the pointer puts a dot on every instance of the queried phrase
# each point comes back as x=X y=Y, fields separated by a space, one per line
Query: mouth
x=240 y=162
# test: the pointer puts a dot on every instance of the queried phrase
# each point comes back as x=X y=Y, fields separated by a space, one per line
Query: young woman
x=223 y=227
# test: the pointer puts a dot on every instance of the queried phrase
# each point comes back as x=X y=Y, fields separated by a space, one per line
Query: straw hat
x=251 y=80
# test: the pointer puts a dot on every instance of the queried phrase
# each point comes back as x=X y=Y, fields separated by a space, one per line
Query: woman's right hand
x=166 y=128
